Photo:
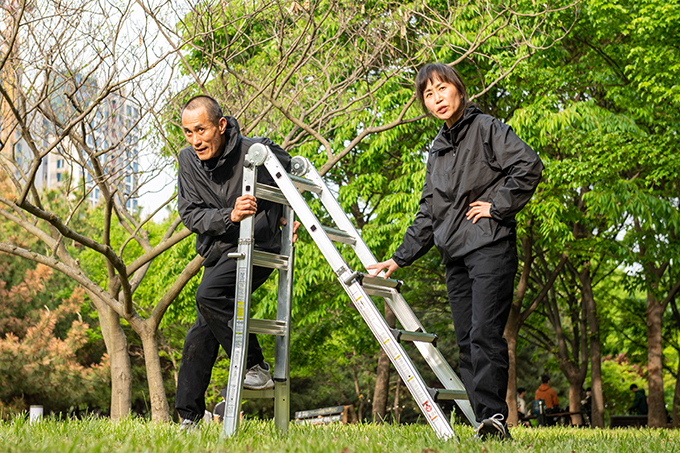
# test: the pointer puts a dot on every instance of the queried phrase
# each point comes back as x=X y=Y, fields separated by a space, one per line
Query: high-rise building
x=104 y=147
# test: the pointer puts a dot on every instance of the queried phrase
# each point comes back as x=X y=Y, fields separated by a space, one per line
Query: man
x=639 y=406
x=210 y=204
x=547 y=394
x=521 y=404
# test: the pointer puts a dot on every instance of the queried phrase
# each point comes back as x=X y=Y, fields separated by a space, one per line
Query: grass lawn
x=134 y=435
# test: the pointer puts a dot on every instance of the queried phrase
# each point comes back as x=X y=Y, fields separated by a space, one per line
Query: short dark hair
x=521 y=390
x=211 y=106
x=633 y=387
x=439 y=71
x=545 y=379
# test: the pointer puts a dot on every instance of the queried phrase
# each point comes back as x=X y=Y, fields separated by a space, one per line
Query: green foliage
x=46 y=354
x=617 y=376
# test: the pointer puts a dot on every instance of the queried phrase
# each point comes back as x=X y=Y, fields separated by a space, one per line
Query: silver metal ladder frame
x=358 y=285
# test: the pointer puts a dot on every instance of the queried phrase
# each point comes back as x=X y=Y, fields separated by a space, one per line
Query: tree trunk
x=121 y=370
x=575 y=389
x=676 y=400
x=396 y=411
x=512 y=327
x=597 y=417
x=160 y=410
x=511 y=333
x=657 y=407
x=382 y=379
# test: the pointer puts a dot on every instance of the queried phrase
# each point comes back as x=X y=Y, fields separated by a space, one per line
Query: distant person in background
x=521 y=404
x=587 y=403
x=639 y=406
x=547 y=394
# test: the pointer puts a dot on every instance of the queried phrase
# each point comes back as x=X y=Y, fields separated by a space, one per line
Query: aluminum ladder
x=360 y=286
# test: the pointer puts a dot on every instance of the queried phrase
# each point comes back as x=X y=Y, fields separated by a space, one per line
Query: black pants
x=480 y=288
x=214 y=309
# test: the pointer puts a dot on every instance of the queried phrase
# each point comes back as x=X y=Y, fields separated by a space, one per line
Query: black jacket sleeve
x=419 y=237
x=520 y=165
x=194 y=212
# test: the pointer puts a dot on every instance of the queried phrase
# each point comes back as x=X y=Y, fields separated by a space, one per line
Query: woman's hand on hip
x=478 y=209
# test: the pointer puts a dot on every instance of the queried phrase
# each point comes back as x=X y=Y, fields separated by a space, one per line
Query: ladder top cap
x=257 y=154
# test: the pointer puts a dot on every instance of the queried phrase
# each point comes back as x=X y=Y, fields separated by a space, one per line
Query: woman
x=479 y=175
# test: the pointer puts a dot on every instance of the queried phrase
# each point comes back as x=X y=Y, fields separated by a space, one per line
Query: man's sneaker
x=493 y=427
x=188 y=425
x=259 y=378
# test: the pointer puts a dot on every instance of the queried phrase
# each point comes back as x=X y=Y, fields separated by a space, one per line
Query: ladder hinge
x=356 y=275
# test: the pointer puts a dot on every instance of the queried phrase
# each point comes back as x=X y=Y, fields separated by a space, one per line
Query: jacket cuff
x=400 y=262
x=229 y=225
x=495 y=214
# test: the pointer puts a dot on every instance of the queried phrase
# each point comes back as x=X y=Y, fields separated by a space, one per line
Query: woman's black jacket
x=477 y=159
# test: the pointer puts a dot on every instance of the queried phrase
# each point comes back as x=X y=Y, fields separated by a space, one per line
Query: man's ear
x=222 y=125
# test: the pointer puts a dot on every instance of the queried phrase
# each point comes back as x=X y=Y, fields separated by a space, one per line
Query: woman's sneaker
x=493 y=427
x=188 y=426
x=259 y=377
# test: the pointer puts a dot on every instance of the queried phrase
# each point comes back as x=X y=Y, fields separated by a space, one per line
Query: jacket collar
x=233 y=142
x=448 y=138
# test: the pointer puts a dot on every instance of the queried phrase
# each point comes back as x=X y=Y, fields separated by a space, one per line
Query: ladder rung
x=339 y=235
x=381 y=282
x=271 y=260
x=270 y=193
x=447 y=395
x=305 y=184
x=267 y=327
x=405 y=335
x=370 y=281
x=252 y=394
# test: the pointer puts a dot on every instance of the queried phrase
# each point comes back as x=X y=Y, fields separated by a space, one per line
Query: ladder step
x=405 y=335
x=267 y=327
x=447 y=395
x=271 y=260
x=253 y=394
x=305 y=184
x=339 y=235
x=270 y=193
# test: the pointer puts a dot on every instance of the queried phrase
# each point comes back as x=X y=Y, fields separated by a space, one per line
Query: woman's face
x=443 y=101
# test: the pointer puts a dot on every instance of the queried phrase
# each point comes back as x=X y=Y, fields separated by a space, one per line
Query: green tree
x=47 y=354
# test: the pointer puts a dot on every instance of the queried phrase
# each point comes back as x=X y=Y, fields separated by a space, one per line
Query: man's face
x=202 y=134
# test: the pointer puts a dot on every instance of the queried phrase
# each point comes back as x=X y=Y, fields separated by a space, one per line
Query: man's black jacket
x=477 y=159
x=207 y=192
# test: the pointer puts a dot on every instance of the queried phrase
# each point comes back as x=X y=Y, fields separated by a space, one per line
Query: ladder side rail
x=432 y=355
x=244 y=271
x=400 y=360
x=367 y=308
x=305 y=214
x=401 y=309
x=283 y=313
x=340 y=218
